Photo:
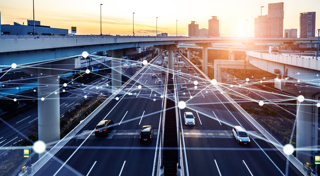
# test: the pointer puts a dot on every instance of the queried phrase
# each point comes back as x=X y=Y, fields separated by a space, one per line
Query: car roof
x=146 y=128
x=189 y=113
x=240 y=128
x=103 y=122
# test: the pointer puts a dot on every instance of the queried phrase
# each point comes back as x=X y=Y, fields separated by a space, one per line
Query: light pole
x=34 y=23
x=246 y=32
x=156 y=26
x=318 y=44
x=260 y=27
x=133 y=23
x=101 y=19
x=176 y=28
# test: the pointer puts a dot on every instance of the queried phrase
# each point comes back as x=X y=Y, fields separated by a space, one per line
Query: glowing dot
x=63 y=90
x=195 y=82
x=155 y=95
x=34 y=90
x=317 y=75
x=161 y=96
x=154 y=99
x=65 y=85
x=87 y=71
x=184 y=93
x=298 y=73
x=55 y=92
x=191 y=97
x=277 y=79
x=13 y=65
x=97 y=87
x=318 y=105
x=71 y=82
x=300 y=98
x=239 y=85
x=85 y=54
x=288 y=149
x=231 y=85
x=139 y=87
x=85 y=96
x=221 y=92
x=261 y=103
x=145 y=62
x=214 y=82
x=182 y=105
x=195 y=87
x=206 y=91
x=14 y=99
x=260 y=81
x=247 y=79
x=130 y=93
x=42 y=98
x=117 y=98
x=39 y=147
x=264 y=77
x=107 y=85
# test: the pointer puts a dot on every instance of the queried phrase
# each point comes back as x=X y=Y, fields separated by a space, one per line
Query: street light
x=260 y=27
x=318 y=44
x=133 y=23
x=156 y=26
x=100 y=19
x=176 y=28
x=34 y=23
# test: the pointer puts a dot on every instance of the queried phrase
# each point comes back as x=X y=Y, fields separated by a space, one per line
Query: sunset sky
x=117 y=14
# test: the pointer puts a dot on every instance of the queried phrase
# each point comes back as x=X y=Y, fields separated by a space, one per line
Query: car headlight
x=240 y=140
x=249 y=140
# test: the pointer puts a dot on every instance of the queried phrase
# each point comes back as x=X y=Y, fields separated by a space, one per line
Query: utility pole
x=133 y=23
x=156 y=26
x=34 y=23
x=101 y=19
x=260 y=28
x=176 y=28
x=318 y=44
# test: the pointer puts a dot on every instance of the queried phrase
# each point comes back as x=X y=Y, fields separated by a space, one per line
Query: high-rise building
x=213 y=30
x=193 y=29
x=307 y=24
x=275 y=20
x=203 y=32
x=290 y=33
x=261 y=26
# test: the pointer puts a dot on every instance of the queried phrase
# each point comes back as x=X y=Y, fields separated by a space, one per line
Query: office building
x=162 y=35
x=21 y=29
x=203 y=32
x=275 y=20
x=290 y=33
x=261 y=27
x=213 y=29
x=307 y=24
x=193 y=29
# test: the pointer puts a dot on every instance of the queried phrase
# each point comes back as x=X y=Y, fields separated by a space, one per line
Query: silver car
x=189 y=118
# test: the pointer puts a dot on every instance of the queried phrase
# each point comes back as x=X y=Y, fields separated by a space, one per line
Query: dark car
x=103 y=129
x=146 y=133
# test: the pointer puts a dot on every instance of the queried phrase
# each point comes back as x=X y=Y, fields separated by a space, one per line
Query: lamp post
x=34 y=23
x=260 y=27
x=318 y=43
x=176 y=28
x=101 y=19
x=133 y=23
x=156 y=26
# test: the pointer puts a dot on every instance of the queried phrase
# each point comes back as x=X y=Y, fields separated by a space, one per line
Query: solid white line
x=91 y=168
x=247 y=167
x=202 y=94
x=199 y=118
x=123 y=118
x=189 y=93
x=33 y=120
x=9 y=141
x=138 y=94
x=22 y=120
x=218 y=167
x=2 y=141
x=122 y=167
x=150 y=93
x=216 y=117
x=146 y=81
x=141 y=117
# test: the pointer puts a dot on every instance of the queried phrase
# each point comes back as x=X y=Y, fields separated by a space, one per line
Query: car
x=241 y=135
x=103 y=129
x=196 y=75
x=190 y=68
x=189 y=118
x=179 y=73
x=159 y=81
x=153 y=75
x=146 y=133
x=183 y=87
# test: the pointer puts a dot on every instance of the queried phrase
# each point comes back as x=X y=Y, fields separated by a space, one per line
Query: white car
x=241 y=135
x=189 y=118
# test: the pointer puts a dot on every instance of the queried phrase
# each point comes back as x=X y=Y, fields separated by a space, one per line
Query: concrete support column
x=205 y=60
x=104 y=53
x=188 y=54
x=307 y=129
x=171 y=59
x=48 y=107
x=116 y=69
x=231 y=55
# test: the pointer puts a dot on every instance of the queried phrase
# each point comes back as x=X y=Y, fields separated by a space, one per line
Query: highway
x=120 y=153
x=209 y=145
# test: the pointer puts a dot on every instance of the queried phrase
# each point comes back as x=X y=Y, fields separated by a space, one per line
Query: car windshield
x=243 y=134
x=189 y=116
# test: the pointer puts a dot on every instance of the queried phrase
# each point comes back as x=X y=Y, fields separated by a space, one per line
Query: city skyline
x=118 y=19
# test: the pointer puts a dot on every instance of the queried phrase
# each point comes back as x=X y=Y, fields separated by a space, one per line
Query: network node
x=39 y=147
x=288 y=149
x=182 y=105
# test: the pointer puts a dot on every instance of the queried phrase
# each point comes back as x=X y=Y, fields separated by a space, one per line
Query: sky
x=117 y=15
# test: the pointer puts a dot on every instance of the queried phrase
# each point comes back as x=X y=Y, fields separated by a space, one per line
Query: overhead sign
x=317 y=159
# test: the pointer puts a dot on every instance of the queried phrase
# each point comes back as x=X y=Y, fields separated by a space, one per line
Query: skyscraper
x=203 y=32
x=275 y=20
x=261 y=26
x=193 y=29
x=307 y=24
x=290 y=33
x=213 y=30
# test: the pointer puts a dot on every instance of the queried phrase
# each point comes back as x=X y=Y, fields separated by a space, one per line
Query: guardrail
x=48 y=155
x=293 y=160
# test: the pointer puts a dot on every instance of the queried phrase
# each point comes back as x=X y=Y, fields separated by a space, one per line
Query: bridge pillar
x=188 y=54
x=231 y=55
x=171 y=59
x=307 y=129
x=204 y=56
x=116 y=69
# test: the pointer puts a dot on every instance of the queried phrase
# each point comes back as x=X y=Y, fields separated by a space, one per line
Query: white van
x=241 y=135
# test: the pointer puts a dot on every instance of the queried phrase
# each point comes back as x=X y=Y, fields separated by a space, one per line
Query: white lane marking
x=247 y=167
x=33 y=120
x=70 y=104
x=199 y=118
x=138 y=94
x=202 y=94
x=91 y=168
x=2 y=141
x=218 y=167
x=123 y=117
x=150 y=93
x=141 y=117
x=9 y=141
x=216 y=117
x=189 y=93
x=122 y=167
x=22 y=120
x=146 y=81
